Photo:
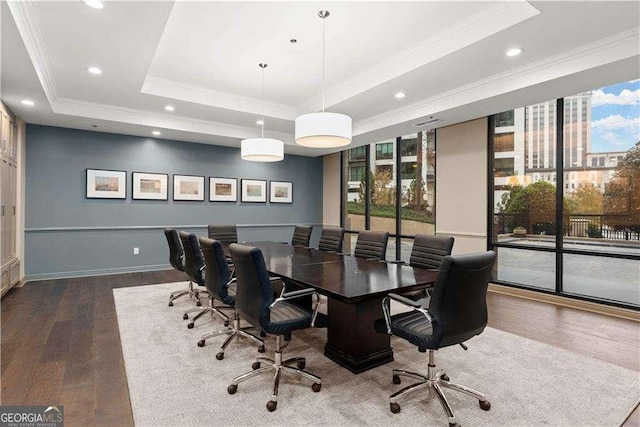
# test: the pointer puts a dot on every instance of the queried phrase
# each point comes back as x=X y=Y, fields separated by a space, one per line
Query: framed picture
x=105 y=184
x=188 y=187
x=150 y=186
x=281 y=192
x=254 y=190
x=223 y=189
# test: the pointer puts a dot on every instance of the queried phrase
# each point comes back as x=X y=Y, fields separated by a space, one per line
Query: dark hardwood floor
x=61 y=344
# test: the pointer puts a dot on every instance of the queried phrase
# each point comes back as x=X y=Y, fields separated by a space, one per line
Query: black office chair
x=194 y=267
x=428 y=252
x=372 y=245
x=458 y=312
x=256 y=304
x=224 y=233
x=301 y=235
x=331 y=239
x=176 y=258
x=217 y=280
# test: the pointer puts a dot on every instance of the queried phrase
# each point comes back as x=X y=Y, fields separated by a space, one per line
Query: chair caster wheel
x=201 y=343
x=271 y=405
x=185 y=316
x=263 y=334
x=198 y=303
x=316 y=387
x=444 y=377
x=190 y=325
x=232 y=389
x=301 y=365
x=226 y=323
x=220 y=356
x=395 y=408
x=261 y=349
x=255 y=365
x=396 y=379
x=454 y=425
x=485 y=405
x=170 y=303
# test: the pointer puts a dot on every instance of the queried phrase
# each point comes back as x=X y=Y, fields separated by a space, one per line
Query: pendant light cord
x=323 y=19
x=262 y=126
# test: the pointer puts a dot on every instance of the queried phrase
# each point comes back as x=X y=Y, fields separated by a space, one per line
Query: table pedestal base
x=352 y=341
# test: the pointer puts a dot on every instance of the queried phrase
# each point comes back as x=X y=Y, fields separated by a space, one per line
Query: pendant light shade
x=262 y=149
x=323 y=130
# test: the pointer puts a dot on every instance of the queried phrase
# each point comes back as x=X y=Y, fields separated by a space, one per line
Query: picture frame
x=188 y=188
x=223 y=189
x=106 y=184
x=149 y=186
x=253 y=191
x=280 y=192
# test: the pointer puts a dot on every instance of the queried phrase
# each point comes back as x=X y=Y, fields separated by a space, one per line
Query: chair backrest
x=301 y=235
x=217 y=270
x=429 y=251
x=224 y=233
x=176 y=253
x=459 y=298
x=331 y=239
x=254 y=293
x=193 y=260
x=372 y=244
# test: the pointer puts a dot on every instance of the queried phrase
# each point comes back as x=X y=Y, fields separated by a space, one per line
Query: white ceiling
x=201 y=57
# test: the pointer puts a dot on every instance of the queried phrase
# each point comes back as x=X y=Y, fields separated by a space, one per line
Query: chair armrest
x=398 y=261
x=404 y=301
x=297 y=294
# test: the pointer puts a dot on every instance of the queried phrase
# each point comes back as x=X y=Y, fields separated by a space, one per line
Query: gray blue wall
x=67 y=234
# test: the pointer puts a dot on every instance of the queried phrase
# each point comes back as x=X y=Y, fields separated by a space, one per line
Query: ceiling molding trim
x=614 y=48
x=201 y=95
x=143 y=118
x=477 y=27
x=26 y=21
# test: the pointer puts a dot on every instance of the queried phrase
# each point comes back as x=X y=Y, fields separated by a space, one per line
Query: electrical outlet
x=136 y=251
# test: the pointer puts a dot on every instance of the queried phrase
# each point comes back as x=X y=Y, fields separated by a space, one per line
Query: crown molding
x=201 y=95
x=144 y=118
x=26 y=21
x=498 y=17
x=601 y=52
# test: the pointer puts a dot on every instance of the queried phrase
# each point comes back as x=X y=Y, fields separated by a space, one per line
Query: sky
x=615 y=117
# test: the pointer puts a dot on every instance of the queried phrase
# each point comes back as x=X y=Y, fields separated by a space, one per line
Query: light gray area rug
x=173 y=382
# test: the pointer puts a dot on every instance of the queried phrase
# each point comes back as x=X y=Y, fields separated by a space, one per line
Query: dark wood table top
x=344 y=277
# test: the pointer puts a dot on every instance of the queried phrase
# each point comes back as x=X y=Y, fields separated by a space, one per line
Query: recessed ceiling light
x=169 y=108
x=96 y=4
x=156 y=133
x=94 y=70
x=400 y=95
x=514 y=51
x=28 y=102
x=260 y=122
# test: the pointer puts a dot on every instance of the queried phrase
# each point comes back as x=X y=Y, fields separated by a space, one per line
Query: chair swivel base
x=212 y=308
x=192 y=293
x=234 y=332
x=434 y=380
x=277 y=367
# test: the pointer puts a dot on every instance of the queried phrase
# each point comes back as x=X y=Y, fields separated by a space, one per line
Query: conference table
x=354 y=288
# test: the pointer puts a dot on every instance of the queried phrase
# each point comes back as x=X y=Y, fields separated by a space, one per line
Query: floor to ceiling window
x=566 y=195
x=387 y=181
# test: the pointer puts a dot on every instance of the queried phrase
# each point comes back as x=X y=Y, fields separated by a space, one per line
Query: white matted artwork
x=281 y=192
x=254 y=191
x=188 y=187
x=150 y=186
x=106 y=184
x=223 y=189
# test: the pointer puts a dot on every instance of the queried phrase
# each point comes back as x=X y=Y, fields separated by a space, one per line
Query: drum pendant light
x=262 y=149
x=323 y=130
